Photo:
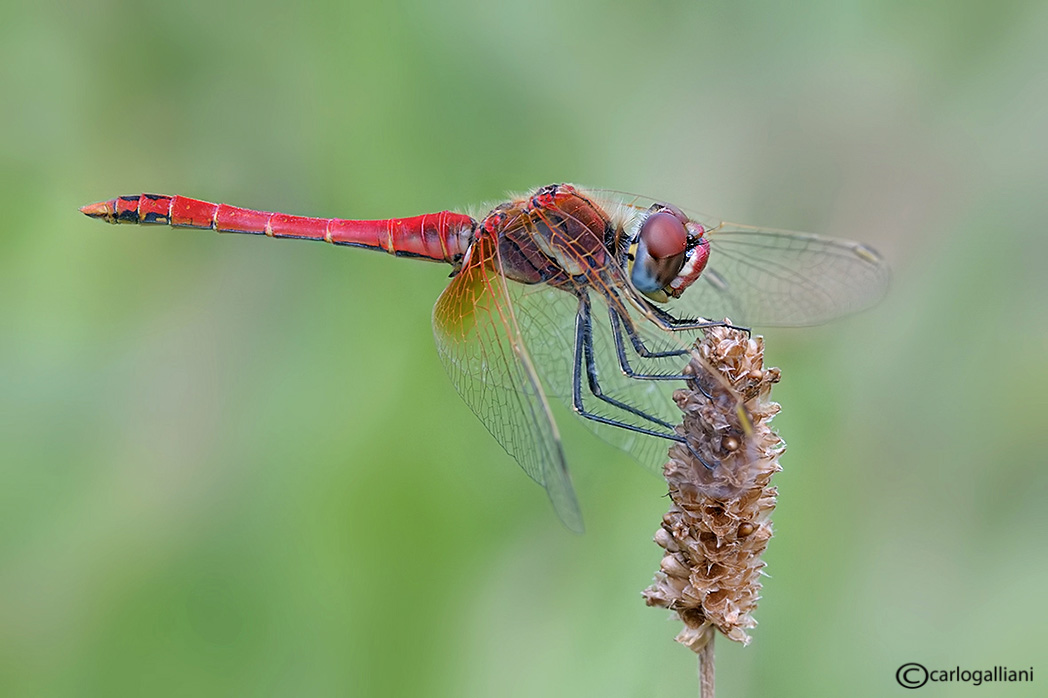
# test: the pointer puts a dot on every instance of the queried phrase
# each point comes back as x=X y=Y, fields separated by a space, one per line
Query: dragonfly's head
x=667 y=254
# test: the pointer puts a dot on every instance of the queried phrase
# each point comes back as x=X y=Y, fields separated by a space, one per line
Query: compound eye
x=659 y=255
x=670 y=208
x=664 y=235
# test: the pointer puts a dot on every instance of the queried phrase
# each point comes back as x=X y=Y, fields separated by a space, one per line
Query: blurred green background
x=234 y=466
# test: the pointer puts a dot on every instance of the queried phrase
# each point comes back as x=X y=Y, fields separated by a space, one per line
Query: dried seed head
x=718 y=526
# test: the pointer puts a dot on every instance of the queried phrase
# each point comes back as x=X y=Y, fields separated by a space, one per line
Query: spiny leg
x=619 y=317
x=586 y=318
x=619 y=325
x=623 y=323
x=662 y=319
x=672 y=323
x=576 y=389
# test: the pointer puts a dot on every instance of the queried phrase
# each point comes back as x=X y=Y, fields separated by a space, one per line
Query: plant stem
x=706 y=669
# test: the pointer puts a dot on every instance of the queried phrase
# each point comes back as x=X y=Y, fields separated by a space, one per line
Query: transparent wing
x=548 y=320
x=774 y=277
x=768 y=277
x=480 y=344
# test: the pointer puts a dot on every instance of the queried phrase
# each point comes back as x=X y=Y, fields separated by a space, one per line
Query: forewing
x=779 y=278
x=479 y=342
x=769 y=277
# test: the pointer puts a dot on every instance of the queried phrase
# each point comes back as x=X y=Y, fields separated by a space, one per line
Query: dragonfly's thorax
x=552 y=236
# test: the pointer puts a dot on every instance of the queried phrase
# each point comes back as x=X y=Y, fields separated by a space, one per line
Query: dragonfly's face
x=667 y=254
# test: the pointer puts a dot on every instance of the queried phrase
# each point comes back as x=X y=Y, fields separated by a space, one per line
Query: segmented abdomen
x=443 y=236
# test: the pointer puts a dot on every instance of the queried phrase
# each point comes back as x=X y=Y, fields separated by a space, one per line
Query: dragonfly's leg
x=618 y=317
x=675 y=324
x=665 y=320
x=586 y=318
x=576 y=392
x=620 y=325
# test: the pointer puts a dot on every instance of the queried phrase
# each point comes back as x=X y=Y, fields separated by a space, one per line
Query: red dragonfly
x=581 y=294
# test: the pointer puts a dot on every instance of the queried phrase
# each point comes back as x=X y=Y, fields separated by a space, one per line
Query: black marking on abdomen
x=282 y=236
x=343 y=243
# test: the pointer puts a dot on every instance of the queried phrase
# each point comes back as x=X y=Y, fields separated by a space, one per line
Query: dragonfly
x=587 y=296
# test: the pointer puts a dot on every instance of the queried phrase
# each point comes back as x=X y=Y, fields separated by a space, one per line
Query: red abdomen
x=443 y=236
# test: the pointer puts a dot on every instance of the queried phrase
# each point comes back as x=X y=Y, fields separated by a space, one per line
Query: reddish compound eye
x=670 y=208
x=664 y=235
x=659 y=255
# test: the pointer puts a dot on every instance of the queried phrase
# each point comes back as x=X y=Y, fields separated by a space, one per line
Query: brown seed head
x=718 y=525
